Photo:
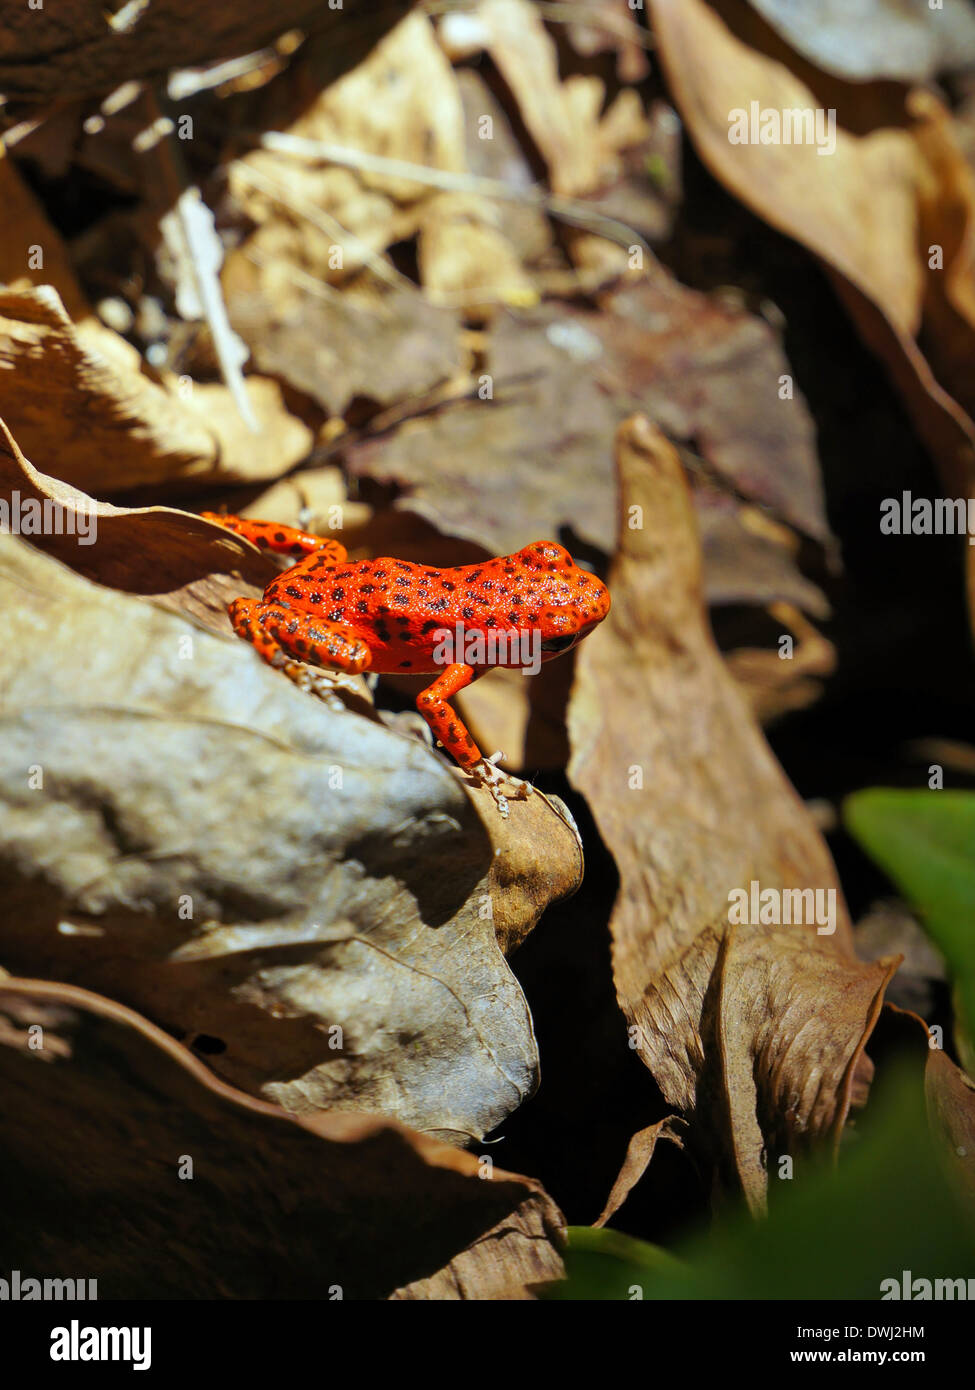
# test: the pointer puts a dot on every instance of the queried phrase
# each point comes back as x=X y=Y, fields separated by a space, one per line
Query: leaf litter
x=437 y=336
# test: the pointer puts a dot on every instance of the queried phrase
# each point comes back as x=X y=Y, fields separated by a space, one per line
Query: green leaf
x=925 y=842
x=830 y=1233
x=607 y=1264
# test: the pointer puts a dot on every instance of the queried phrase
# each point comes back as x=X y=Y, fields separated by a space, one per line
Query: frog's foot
x=323 y=683
x=486 y=773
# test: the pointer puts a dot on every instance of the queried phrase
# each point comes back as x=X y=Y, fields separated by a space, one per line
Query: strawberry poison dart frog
x=389 y=615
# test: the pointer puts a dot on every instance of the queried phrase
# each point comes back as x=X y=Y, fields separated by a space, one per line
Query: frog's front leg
x=279 y=635
x=449 y=728
x=285 y=540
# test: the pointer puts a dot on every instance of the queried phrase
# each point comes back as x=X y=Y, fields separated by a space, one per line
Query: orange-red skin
x=389 y=615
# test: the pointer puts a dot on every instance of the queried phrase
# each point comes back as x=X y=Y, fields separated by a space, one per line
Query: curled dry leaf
x=894 y=187
x=196 y=570
x=639 y=1152
x=855 y=206
x=502 y=1264
x=754 y=1032
x=353 y=888
x=94 y=1121
x=76 y=393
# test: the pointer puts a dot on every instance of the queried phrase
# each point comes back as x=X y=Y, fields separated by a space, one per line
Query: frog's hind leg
x=451 y=731
x=286 y=640
x=285 y=540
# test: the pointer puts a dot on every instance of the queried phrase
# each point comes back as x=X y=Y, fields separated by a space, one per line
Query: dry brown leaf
x=562 y=378
x=95 y=1122
x=639 y=1152
x=354 y=886
x=337 y=346
x=755 y=1033
x=82 y=50
x=893 y=187
x=180 y=561
x=714 y=376
x=855 y=207
x=76 y=393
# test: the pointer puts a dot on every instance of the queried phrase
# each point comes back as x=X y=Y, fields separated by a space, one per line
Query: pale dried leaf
x=76 y=393
x=908 y=40
x=402 y=102
x=755 y=1033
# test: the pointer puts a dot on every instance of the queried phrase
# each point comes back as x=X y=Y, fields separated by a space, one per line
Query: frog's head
x=569 y=601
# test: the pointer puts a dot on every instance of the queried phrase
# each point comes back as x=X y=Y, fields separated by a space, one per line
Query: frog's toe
x=517 y=787
x=502 y=785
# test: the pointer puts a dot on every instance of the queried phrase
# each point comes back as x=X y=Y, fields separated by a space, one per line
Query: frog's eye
x=560 y=644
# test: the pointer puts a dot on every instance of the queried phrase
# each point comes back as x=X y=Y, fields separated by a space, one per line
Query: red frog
x=390 y=615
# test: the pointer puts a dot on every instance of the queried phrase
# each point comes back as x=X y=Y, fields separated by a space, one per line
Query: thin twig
x=569 y=210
